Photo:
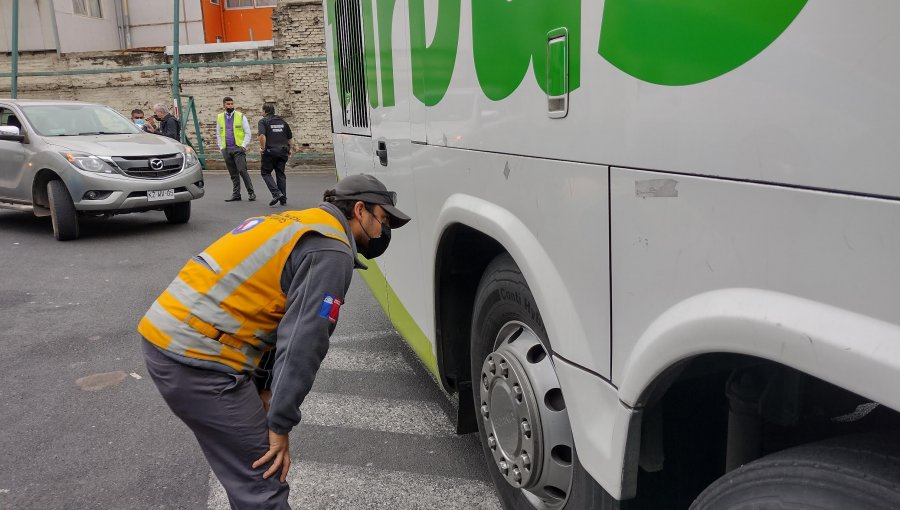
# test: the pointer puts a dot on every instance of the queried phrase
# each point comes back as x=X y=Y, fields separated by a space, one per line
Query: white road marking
x=362 y=337
x=358 y=360
x=386 y=415
x=322 y=486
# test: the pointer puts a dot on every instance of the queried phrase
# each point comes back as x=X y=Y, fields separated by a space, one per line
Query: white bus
x=656 y=244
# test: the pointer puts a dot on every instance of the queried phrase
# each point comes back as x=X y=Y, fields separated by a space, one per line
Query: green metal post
x=14 y=87
x=176 y=85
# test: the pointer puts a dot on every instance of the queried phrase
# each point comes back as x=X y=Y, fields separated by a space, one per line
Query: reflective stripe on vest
x=226 y=303
x=238 y=126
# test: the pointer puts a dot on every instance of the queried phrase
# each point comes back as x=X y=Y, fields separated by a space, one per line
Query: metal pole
x=15 y=50
x=176 y=85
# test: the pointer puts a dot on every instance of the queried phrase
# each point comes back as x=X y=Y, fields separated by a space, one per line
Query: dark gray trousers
x=226 y=415
x=236 y=163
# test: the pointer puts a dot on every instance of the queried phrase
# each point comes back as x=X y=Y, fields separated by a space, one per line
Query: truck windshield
x=76 y=120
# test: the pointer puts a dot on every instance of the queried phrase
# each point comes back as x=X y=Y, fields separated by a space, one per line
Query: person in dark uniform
x=275 y=145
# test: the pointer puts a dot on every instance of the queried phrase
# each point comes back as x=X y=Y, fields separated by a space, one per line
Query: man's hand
x=266 y=397
x=279 y=454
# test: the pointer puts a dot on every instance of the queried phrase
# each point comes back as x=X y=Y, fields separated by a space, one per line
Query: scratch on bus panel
x=655 y=188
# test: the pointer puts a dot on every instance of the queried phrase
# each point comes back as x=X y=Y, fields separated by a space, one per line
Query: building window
x=214 y=2
x=89 y=8
x=266 y=3
x=238 y=4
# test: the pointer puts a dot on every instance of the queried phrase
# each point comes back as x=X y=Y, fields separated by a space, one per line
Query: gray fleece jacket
x=317 y=267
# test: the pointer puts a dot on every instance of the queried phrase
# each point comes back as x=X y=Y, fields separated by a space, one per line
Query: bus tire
x=852 y=473
x=63 y=215
x=509 y=335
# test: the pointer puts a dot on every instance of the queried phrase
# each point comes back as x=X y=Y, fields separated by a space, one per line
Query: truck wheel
x=178 y=213
x=62 y=211
x=522 y=419
x=855 y=473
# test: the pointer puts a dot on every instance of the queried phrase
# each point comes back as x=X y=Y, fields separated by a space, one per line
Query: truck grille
x=149 y=167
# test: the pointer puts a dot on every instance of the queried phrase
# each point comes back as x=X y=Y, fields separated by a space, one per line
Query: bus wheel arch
x=461 y=257
x=700 y=422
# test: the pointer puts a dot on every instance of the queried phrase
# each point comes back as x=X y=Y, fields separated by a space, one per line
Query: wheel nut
x=504 y=467
x=524 y=459
x=492 y=442
x=526 y=427
x=518 y=391
x=504 y=369
x=517 y=475
x=492 y=367
x=484 y=410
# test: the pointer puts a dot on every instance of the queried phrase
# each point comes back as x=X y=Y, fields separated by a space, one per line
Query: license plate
x=163 y=194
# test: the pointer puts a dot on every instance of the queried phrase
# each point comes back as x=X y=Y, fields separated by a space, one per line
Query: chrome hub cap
x=525 y=418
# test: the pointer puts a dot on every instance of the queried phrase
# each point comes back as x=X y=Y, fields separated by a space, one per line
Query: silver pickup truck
x=69 y=159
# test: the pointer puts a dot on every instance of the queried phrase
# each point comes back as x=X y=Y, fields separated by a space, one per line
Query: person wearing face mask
x=234 y=343
x=233 y=136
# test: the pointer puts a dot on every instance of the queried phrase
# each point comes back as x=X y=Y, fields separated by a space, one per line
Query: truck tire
x=178 y=213
x=522 y=421
x=853 y=473
x=62 y=211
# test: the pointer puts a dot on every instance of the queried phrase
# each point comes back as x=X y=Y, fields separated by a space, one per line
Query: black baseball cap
x=366 y=188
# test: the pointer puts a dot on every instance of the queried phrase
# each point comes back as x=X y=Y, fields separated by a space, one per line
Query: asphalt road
x=83 y=427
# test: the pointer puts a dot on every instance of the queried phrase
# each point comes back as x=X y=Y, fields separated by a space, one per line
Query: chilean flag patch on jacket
x=331 y=308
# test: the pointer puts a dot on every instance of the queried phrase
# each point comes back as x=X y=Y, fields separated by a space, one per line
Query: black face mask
x=229 y=110
x=377 y=245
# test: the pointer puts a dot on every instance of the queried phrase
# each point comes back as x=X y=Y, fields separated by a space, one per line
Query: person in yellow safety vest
x=233 y=136
x=235 y=341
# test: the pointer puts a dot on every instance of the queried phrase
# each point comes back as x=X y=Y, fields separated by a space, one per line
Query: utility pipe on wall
x=53 y=24
x=176 y=85
x=126 y=21
x=15 y=49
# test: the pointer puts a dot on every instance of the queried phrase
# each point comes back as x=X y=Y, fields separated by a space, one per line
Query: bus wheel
x=855 y=473
x=522 y=419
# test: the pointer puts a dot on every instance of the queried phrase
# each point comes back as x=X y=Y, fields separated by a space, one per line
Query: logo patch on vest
x=331 y=308
x=248 y=224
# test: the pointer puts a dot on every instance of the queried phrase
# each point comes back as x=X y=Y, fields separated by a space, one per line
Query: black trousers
x=226 y=415
x=274 y=158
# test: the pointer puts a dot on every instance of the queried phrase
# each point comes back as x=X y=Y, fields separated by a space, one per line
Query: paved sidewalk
x=294 y=169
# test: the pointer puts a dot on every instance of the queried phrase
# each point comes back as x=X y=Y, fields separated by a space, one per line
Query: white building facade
x=68 y=26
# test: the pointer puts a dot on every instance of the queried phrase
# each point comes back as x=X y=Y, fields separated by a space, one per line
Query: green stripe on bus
x=400 y=317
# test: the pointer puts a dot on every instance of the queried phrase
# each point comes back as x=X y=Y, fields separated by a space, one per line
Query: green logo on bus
x=683 y=42
x=666 y=42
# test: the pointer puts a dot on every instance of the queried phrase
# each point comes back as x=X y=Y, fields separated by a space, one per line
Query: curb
x=296 y=170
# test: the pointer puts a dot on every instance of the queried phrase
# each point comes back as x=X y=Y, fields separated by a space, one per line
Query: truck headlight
x=89 y=163
x=190 y=157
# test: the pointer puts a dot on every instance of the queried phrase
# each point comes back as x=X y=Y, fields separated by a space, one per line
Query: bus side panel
x=551 y=216
x=677 y=237
x=819 y=99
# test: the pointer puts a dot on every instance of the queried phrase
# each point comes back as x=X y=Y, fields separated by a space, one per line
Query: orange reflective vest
x=226 y=303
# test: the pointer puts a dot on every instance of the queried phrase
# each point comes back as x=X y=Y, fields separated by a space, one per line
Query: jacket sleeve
x=314 y=296
x=169 y=127
x=247 y=133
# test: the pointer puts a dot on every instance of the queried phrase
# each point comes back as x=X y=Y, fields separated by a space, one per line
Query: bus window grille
x=351 y=64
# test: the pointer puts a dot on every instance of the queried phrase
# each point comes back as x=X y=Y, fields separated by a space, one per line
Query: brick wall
x=299 y=91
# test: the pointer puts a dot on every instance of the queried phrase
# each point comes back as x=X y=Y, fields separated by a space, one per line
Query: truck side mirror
x=11 y=134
